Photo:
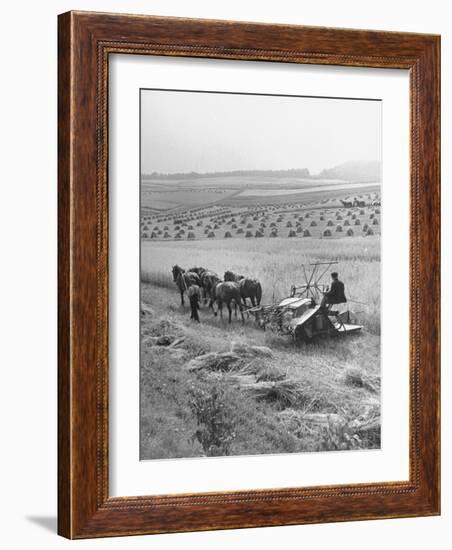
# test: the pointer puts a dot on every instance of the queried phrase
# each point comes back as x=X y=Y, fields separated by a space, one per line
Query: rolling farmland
x=198 y=210
x=264 y=228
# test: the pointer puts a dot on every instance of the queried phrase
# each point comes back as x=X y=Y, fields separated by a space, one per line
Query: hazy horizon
x=293 y=169
x=183 y=132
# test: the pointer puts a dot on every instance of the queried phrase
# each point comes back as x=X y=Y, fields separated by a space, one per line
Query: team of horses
x=360 y=203
x=234 y=289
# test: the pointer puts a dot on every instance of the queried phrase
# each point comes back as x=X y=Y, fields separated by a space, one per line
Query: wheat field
x=277 y=264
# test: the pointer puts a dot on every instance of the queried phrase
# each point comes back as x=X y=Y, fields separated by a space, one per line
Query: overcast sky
x=207 y=132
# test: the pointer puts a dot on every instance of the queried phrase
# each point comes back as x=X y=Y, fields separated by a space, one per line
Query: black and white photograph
x=260 y=227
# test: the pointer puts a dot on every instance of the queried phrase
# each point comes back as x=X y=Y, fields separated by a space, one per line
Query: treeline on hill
x=353 y=171
x=363 y=171
x=295 y=172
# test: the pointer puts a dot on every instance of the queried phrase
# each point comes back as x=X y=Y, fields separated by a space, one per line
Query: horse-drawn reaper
x=309 y=311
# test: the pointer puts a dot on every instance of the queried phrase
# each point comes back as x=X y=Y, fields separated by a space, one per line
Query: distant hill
x=352 y=171
x=293 y=172
x=362 y=171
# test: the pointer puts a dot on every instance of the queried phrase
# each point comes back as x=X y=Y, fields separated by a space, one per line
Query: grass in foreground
x=310 y=398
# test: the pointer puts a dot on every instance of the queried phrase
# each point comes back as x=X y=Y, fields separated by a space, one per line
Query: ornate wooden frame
x=85 y=42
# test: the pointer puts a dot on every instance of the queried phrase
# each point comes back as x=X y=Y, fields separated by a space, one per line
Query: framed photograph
x=248 y=286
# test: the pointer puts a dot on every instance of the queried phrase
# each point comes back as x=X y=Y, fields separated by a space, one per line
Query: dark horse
x=225 y=293
x=231 y=276
x=184 y=279
x=357 y=202
x=198 y=270
x=209 y=280
x=249 y=288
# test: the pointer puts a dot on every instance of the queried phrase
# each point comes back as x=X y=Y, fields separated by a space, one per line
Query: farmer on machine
x=336 y=294
x=193 y=296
